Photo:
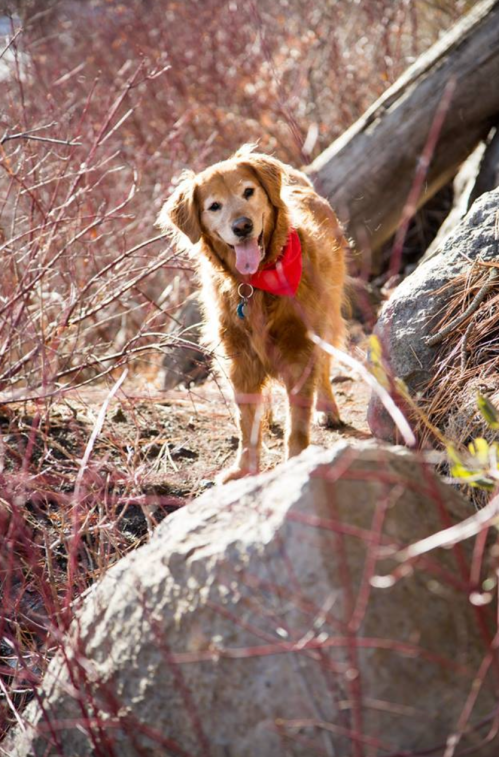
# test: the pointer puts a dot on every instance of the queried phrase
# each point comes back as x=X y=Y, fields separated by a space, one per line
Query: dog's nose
x=242 y=227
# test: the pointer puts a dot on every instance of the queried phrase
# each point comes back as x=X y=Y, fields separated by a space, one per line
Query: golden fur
x=271 y=342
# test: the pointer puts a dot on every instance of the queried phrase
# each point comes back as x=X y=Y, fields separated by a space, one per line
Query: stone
x=412 y=312
x=186 y=362
x=252 y=624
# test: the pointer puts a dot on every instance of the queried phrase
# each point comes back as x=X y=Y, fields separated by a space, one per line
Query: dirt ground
x=181 y=439
x=168 y=443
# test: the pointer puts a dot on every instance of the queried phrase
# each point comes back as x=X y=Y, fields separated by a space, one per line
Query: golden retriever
x=270 y=253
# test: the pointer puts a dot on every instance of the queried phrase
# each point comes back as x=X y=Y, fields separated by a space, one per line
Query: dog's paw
x=330 y=421
x=233 y=474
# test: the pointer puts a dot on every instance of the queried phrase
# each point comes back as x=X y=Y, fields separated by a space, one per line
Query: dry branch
x=27 y=135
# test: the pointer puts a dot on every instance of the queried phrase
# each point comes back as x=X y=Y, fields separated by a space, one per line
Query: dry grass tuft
x=469 y=356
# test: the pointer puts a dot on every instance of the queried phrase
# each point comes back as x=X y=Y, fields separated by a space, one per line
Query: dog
x=271 y=257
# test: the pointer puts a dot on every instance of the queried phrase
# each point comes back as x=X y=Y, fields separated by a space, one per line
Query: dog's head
x=234 y=205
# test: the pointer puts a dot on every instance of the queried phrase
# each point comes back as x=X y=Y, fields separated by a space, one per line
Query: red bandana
x=282 y=277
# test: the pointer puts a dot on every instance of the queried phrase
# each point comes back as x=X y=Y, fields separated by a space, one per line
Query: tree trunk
x=368 y=173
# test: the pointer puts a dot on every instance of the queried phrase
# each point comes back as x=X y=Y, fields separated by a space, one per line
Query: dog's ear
x=181 y=210
x=271 y=174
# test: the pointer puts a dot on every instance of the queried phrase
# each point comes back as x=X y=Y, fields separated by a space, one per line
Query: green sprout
x=479 y=467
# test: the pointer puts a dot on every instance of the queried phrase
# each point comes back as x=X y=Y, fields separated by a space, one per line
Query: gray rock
x=248 y=625
x=187 y=362
x=415 y=307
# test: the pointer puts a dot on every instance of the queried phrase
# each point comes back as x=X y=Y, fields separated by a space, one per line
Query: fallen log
x=368 y=173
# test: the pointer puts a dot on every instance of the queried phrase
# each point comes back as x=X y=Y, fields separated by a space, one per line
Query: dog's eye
x=215 y=206
x=248 y=192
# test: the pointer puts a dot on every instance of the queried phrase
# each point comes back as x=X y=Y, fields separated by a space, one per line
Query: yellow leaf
x=377 y=368
x=488 y=411
x=479 y=448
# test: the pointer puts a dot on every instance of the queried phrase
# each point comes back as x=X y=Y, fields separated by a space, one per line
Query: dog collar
x=284 y=275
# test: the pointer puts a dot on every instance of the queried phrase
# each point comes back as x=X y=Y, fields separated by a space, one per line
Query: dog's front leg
x=300 y=383
x=247 y=379
x=329 y=415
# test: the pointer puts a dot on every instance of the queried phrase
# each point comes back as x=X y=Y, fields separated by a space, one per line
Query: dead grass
x=468 y=358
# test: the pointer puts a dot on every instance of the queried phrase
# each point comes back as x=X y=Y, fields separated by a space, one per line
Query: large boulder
x=253 y=624
x=415 y=307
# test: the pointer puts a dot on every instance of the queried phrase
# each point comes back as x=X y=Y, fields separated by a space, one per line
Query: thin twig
x=472 y=308
x=464 y=345
x=11 y=42
x=26 y=135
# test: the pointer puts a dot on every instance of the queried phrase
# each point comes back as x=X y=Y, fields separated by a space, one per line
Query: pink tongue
x=247 y=256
